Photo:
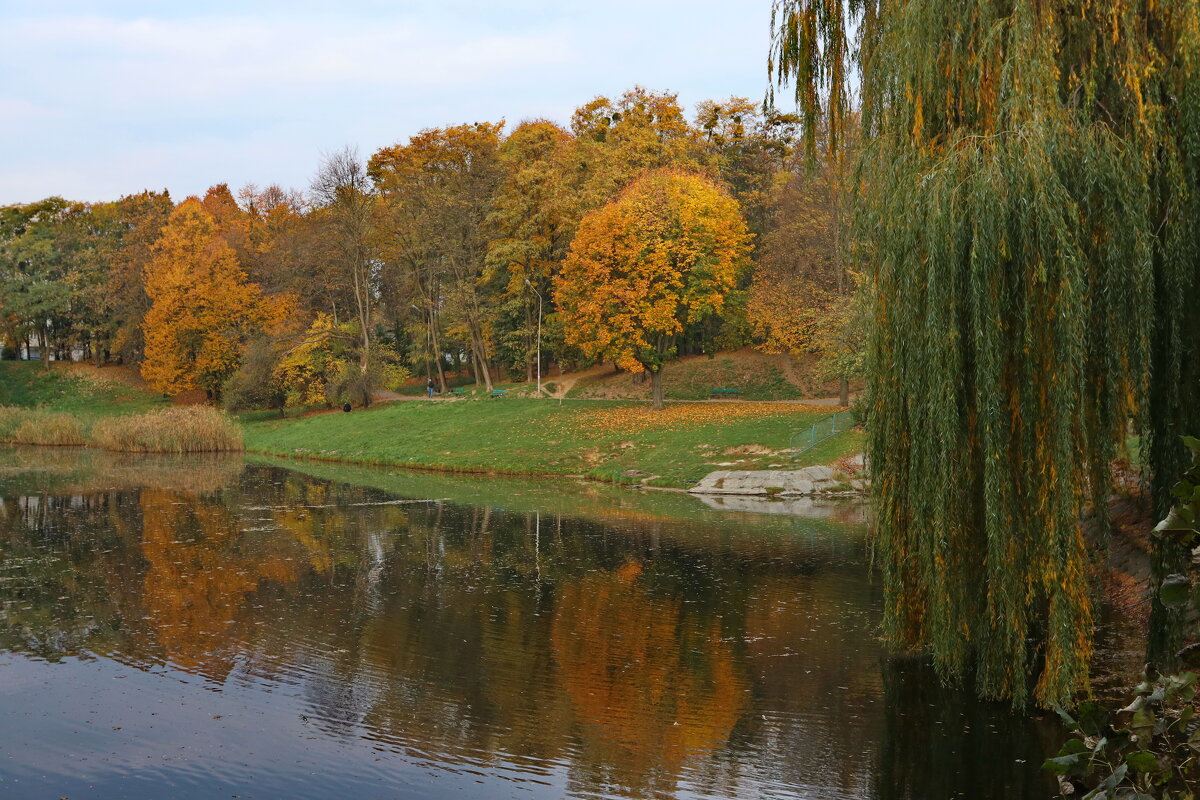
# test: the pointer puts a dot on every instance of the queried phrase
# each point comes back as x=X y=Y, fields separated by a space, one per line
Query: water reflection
x=301 y=636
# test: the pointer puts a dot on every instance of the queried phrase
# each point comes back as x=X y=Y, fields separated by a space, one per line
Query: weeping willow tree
x=1029 y=217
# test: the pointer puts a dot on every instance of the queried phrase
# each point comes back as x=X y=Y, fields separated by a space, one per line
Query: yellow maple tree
x=202 y=307
x=664 y=254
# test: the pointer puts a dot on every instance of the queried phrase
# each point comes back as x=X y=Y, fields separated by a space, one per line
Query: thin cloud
x=140 y=94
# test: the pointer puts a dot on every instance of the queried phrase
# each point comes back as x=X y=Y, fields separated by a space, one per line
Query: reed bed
x=11 y=418
x=192 y=429
x=34 y=426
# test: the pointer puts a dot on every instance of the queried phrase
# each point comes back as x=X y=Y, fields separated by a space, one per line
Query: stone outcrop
x=803 y=482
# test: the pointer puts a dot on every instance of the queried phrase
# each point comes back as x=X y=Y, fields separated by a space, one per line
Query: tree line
x=633 y=235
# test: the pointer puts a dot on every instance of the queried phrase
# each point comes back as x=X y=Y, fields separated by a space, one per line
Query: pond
x=207 y=627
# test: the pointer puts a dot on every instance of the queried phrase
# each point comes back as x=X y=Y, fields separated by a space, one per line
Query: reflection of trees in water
x=63 y=559
x=631 y=652
x=926 y=752
x=650 y=687
x=811 y=647
x=201 y=567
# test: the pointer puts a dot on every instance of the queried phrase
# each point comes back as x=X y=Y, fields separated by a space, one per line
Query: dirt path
x=564 y=383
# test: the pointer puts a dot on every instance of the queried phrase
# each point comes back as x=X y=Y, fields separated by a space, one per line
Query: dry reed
x=193 y=429
x=31 y=426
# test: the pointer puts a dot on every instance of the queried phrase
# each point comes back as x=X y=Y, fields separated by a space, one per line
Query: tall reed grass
x=190 y=429
x=34 y=426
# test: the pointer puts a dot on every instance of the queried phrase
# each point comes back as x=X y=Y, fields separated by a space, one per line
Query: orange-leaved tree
x=664 y=254
x=202 y=307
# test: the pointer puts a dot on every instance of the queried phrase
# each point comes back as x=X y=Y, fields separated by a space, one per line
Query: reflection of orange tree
x=201 y=568
x=650 y=686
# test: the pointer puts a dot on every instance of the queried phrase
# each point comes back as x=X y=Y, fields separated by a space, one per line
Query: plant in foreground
x=1150 y=749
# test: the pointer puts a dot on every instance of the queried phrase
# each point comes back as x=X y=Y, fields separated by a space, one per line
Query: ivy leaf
x=1073 y=759
x=1093 y=719
x=1142 y=761
x=1174 y=590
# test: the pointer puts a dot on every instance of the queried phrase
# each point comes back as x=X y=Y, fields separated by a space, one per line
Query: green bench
x=498 y=392
x=459 y=391
x=724 y=394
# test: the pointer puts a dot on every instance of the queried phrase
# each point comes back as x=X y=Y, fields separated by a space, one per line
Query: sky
x=103 y=99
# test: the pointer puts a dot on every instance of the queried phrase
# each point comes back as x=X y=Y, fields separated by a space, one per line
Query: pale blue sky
x=102 y=99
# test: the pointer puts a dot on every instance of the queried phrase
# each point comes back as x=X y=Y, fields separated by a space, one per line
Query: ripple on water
x=284 y=635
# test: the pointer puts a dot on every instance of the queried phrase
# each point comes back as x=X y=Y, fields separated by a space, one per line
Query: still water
x=209 y=628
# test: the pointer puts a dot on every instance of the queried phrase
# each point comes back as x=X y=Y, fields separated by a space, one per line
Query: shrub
x=193 y=429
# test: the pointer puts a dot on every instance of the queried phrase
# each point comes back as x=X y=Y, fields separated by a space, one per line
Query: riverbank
x=602 y=440
x=607 y=440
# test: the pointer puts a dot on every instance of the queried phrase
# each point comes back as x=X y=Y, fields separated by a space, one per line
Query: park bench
x=724 y=394
x=498 y=392
x=458 y=391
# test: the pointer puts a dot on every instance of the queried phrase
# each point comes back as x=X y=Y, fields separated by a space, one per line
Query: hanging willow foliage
x=1029 y=215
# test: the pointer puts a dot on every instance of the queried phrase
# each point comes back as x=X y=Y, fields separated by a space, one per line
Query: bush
x=194 y=429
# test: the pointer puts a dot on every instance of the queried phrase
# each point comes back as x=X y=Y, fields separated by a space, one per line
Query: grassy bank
x=617 y=442
x=26 y=384
x=41 y=406
x=614 y=441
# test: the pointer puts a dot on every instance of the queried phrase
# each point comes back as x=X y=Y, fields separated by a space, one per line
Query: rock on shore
x=780 y=483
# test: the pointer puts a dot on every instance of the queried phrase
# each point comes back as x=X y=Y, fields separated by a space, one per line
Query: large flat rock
x=784 y=483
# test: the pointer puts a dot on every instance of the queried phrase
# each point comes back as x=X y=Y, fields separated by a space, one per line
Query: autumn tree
x=803 y=293
x=202 y=307
x=439 y=188
x=663 y=255
x=346 y=216
x=615 y=141
x=529 y=229
x=749 y=151
x=119 y=299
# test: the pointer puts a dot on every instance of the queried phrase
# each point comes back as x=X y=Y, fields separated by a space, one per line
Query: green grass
x=26 y=384
x=612 y=441
x=615 y=441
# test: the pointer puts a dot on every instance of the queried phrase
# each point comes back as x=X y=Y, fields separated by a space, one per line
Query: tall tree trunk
x=437 y=349
x=657 y=388
x=844 y=391
x=529 y=345
x=479 y=351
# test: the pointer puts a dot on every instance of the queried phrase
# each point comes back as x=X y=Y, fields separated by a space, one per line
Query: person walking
x=429 y=388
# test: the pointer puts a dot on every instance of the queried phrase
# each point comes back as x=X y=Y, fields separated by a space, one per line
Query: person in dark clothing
x=346 y=408
x=429 y=388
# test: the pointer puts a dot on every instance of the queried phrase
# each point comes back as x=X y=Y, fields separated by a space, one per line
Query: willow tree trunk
x=844 y=391
x=656 y=388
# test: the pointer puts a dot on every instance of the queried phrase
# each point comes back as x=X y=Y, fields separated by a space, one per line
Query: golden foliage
x=200 y=572
x=202 y=306
x=665 y=253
